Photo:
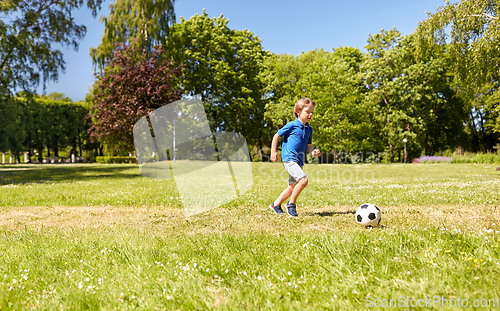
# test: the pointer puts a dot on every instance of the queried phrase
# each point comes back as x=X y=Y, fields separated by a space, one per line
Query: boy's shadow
x=328 y=214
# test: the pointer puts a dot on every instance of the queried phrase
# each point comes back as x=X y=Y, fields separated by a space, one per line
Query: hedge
x=488 y=158
x=433 y=159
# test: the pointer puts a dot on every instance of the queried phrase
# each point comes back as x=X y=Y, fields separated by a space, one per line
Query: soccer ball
x=368 y=215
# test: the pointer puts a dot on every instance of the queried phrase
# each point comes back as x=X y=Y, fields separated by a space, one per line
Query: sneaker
x=276 y=209
x=291 y=209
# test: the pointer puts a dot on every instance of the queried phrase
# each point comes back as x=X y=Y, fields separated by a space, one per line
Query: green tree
x=55 y=96
x=146 y=20
x=352 y=56
x=333 y=81
x=12 y=129
x=77 y=130
x=491 y=99
x=38 y=121
x=42 y=124
x=471 y=29
x=411 y=98
x=28 y=31
x=281 y=74
x=343 y=114
x=222 y=65
x=484 y=114
x=47 y=125
x=382 y=66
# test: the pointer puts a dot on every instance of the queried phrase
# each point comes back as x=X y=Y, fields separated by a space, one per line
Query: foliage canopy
x=28 y=31
x=133 y=84
x=142 y=22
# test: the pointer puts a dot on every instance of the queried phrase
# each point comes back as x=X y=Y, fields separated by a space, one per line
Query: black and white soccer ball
x=368 y=215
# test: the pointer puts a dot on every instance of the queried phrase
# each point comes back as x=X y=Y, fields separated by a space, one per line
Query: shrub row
x=433 y=159
x=488 y=158
x=116 y=159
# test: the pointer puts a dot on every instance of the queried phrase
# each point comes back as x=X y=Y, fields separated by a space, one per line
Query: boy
x=297 y=140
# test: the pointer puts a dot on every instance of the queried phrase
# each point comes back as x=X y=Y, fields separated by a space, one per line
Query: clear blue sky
x=289 y=26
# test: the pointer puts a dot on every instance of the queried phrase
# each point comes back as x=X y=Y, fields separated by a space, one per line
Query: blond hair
x=301 y=104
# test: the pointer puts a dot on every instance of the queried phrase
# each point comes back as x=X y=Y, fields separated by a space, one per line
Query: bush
x=433 y=159
x=116 y=160
x=488 y=158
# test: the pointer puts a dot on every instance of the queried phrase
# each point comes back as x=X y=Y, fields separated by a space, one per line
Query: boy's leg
x=299 y=178
x=298 y=189
x=284 y=195
x=300 y=181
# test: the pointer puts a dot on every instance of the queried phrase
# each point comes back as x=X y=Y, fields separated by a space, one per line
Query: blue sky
x=290 y=27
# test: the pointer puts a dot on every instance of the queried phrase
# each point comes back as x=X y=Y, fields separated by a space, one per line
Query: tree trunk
x=475 y=136
x=260 y=148
x=426 y=145
x=391 y=151
x=80 y=143
x=29 y=147
x=483 y=132
x=40 y=155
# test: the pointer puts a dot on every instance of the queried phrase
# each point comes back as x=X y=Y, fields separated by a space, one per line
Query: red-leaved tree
x=133 y=84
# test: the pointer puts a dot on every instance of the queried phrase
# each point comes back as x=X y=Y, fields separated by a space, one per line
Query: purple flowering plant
x=433 y=159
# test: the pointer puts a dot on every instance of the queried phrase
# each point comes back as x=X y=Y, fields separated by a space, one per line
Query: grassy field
x=103 y=237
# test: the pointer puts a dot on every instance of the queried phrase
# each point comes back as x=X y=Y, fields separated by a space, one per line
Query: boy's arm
x=274 y=144
x=314 y=152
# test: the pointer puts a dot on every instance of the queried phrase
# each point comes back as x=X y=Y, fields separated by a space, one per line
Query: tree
x=42 y=123
x=411 y=98
x=333 y=81
x=132 y=85
x=281 y=74
x=55 y=96
x=28 y=30
x=496 y=112
x=484 y=118
x=381 y=67
x=129 y=20
x=77 y=129
x=474 y=34
x=12 y=129
x=49 y=124
x=35 y=124
x=223 y=66
x=491 y=99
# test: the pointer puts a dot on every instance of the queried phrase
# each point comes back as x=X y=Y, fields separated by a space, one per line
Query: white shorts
x=295 y=172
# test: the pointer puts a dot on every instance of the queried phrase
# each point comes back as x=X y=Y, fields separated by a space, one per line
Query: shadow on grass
x=328 y=214
x=42 y=173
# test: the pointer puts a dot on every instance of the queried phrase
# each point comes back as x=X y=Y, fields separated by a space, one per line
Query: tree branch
x=483 y=15
x=25 y=28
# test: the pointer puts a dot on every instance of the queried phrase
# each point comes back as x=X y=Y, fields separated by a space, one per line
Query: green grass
x=122 y=185
x=103 y=237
